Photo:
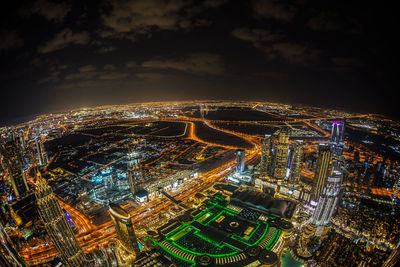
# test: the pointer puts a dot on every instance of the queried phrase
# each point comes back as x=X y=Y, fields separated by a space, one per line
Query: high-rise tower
x=328 y=199
x=128 y=246
x=240 y=161
x=337 y=132
x=336 y=142
x=266 y=156
x=57 y=226
x=322 y=172
x=41 y=153
x=135 y=174
x=282 y=152
x=11 y=159
x=296 y=161
x=396 y=186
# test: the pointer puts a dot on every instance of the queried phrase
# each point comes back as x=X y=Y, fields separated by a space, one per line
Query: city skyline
x=199 y=133
x=223 y=183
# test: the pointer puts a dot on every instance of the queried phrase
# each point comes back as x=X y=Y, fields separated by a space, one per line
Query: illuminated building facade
x=128 y=247
x=328 y=200
x=282 y=152
x=13 y=164
x=240 y=161
x=135 y=174
x=108 y=179
x=8 y=255
x=337 y=133
x=57 y=226
x=41 y=153
x=266 y=156
x=396 y=186
x=296 y=161
x=322 y=172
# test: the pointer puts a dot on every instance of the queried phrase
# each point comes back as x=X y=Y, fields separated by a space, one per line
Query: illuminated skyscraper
x=240 y=161
x=337 y=132
x=396 y=186
x=135 y=174
x=336 y=142
x=41 y=153
x=322 y=172
x=328 y=200
x=128 y=247
x=57 y=226
x=296 y=161
x=8 y=255
x=266 y=156
x=282 y=152
x=13 y=164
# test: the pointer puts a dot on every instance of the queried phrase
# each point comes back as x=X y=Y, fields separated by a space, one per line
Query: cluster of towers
x=51 y=213
x=20 y=197
x=27 y=203
x=280 y=159
x=12 y=162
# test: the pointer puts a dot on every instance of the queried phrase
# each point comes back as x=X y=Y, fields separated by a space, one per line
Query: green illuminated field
x=218 y=234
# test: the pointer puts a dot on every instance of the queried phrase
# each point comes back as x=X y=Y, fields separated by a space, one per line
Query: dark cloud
x=106 y=49
x=113 y=76
x=274 y=9
x=91 y=72
x=258 y=37
x=272 y=46
x=10 y=40
x=141 y=17
x=84 y=73
x=346 y=62
x=299 y=54
x=107 y=33
x=202 y=63
x=274 y=75
x=55 y=70
x=130 y=64
x=53 y=77
x=149 y=75
x=81 y=75
x=109 y=67
x=48 y=9
x=87 y=68
x=325 y=21
x=63 y=39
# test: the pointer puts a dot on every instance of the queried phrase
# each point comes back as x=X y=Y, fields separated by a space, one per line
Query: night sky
x=57 y=55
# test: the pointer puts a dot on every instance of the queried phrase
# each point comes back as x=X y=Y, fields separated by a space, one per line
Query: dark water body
x=208 y=134
x=237 y=114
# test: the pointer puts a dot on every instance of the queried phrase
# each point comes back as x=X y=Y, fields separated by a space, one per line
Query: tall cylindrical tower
x=57 y=226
